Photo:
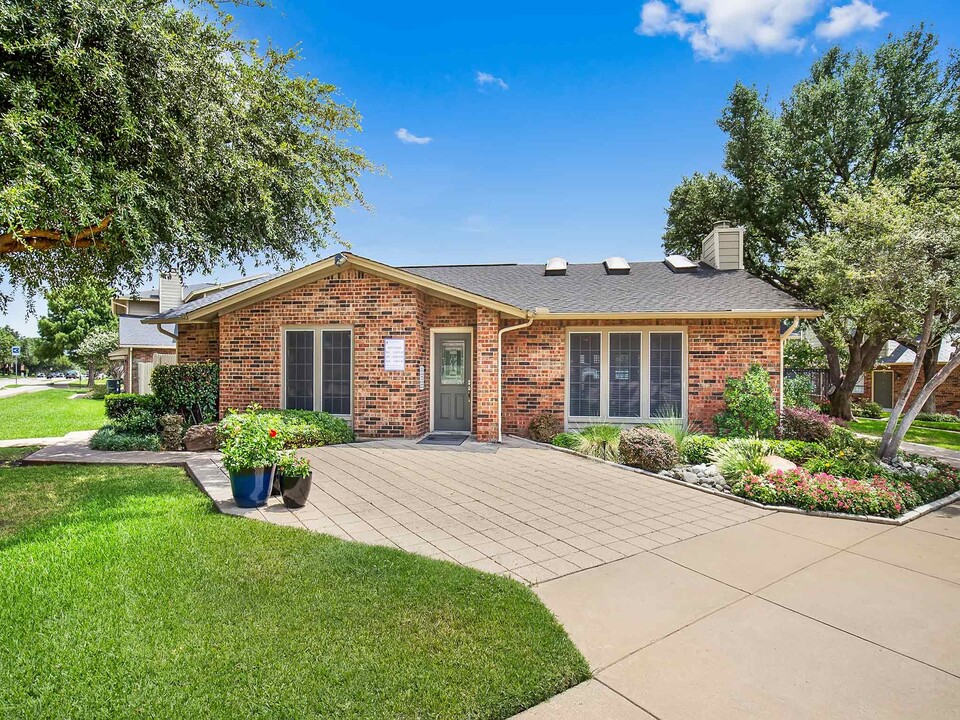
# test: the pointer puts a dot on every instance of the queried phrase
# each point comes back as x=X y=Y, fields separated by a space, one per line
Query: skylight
x=616 y=266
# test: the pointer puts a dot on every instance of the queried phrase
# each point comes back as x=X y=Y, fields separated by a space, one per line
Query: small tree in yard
x=95 y=351
x=890 y=266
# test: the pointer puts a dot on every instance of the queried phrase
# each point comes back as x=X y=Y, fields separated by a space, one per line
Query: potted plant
x=295 y=477
x=250 y=449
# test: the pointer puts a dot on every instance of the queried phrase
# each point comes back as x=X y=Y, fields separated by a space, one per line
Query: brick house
x=142 y=345
x=885 y=381
x=403 y=351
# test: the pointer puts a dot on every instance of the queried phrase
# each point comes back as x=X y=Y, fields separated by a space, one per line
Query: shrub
x=139 y=420
x=750 y=410
x=846 y=455
x=565 y=440
x=119 y=404
x=601 y=441
x=867 y=409
x=171 y=431
x=796 y=451
x=544 y=426
x=821 y=491
x=319 y=428
x=933 y=487
x=696 y=449
x=107 y=438
x=737 y=458
x=805 y=424
x=797 y=391
x=648 y=448
x=938 y=417
x=190 y=390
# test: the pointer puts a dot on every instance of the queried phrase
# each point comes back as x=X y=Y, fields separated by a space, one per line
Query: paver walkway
x=520 y=510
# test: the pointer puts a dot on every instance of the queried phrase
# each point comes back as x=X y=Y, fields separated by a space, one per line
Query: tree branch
x=39 y=239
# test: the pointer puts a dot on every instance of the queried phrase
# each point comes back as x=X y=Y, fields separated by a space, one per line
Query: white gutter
x=527 y=323
x=784 y=336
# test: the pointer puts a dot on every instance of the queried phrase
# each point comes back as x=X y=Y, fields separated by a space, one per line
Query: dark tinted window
x=335 y=373
x=625 y=375
x=299 y=370
x=585 y=374
x=666 y=374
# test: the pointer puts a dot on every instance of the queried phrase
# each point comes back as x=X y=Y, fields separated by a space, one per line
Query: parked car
x=42 y=375
x=72 y=375
x=57 y=374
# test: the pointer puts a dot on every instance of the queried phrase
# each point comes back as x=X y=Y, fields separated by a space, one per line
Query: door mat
x=435 y=439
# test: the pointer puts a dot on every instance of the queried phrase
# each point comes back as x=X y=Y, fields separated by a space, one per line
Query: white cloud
x=409 y=138
x=718 y=28
x=488 y=79
x=846 y=19
x=475 y=224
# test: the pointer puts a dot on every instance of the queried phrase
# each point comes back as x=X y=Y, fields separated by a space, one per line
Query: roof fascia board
x=326 y=268
x=731 y=314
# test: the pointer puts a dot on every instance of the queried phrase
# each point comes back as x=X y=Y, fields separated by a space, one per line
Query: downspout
x=784 y=336
x=527 y=323
x=172 y=336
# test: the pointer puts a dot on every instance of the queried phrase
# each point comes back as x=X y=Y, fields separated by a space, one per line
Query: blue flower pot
x=251 y=487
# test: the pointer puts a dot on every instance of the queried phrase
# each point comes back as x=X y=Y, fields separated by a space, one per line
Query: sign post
x=15 y=351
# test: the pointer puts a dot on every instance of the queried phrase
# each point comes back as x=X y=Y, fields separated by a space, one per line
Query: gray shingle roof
x=586 y=288
x=650 y=287
x=903 y=354
x=181 y=310
x=134 y=333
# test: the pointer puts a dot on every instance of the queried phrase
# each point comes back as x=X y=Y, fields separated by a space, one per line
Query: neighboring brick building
x=884 y=383
x=406 y=351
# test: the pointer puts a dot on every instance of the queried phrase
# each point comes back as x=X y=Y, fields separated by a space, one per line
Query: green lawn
x=123 y=594
x=47 y=413
x=918 y=434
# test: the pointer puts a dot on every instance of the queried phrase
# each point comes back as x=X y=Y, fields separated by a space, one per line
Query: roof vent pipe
x=555 y=266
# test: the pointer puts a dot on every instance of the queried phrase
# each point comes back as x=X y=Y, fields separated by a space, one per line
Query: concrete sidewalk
x=77 y=439
x=787 y=616
x=22 y=390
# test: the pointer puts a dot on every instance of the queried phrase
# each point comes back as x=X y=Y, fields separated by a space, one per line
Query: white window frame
x=317 y=331
x=572 y=422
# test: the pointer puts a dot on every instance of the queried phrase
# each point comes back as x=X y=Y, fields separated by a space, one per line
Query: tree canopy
x=73 y=313
x=855 y=120
x=143 y=135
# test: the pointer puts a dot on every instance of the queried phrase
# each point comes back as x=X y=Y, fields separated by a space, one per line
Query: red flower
x=273 y=433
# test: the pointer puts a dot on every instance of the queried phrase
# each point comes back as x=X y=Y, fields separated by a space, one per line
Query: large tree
x=888 y=265
x=857 y=118
x=143 y=135
x=73 y=313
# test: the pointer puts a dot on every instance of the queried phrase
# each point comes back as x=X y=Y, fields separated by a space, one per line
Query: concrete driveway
x=787 y=616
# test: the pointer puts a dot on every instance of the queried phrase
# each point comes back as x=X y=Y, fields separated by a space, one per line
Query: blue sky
x=558 y=129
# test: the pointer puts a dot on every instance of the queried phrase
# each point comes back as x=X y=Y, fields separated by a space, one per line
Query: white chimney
x=723 y=247
x=171 y=291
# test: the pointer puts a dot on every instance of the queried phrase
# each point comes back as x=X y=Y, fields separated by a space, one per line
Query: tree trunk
x=925 y=392
x=929 y=370
x=889 y=432
x=91 y=370
x=863 y=355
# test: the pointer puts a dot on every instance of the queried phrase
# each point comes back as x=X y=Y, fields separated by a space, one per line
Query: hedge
x=191 y=390
x=119 y=404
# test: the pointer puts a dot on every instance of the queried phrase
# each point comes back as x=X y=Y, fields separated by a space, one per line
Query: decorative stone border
x=908 y=516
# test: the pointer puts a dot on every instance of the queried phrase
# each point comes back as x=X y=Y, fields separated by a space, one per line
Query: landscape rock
x=779 y=463
x=201 y=437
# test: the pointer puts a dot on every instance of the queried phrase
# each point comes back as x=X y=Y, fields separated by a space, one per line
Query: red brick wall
x=947 y=395
x=198 y=343
x=534 y=364
x=386 y=404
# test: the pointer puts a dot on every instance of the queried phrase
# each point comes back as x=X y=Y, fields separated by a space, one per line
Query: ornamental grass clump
x=821 y=491
x=649 y=449
x=600 y=441
x=736 y=459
